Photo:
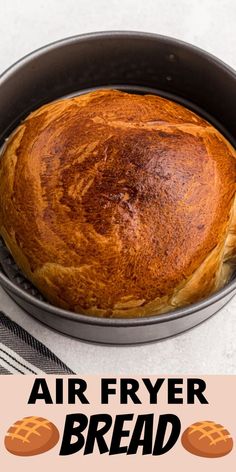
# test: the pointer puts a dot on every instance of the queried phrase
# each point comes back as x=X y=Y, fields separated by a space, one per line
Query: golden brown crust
x=116 y=204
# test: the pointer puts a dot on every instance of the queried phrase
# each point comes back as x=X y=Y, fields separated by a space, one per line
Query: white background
x=211 y=24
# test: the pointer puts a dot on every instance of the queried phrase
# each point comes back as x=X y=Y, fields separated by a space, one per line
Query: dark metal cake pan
x=136 y=62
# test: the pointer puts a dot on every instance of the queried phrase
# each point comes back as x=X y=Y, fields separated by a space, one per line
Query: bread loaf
x=207 y=439
x=119 y=205
x=31 y=436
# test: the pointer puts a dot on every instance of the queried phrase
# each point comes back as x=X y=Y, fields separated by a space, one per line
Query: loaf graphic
x=30 y=436
x=207 y=439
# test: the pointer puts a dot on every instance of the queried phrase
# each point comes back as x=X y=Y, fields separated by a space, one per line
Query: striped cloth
x=21 y=353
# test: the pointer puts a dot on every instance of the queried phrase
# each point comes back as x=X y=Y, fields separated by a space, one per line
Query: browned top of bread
x=110 y=201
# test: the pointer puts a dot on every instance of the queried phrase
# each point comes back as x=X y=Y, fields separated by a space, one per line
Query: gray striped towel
x=21 y=353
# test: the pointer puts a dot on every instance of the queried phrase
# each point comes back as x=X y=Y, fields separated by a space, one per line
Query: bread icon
x=30 y=436
x=207 y=439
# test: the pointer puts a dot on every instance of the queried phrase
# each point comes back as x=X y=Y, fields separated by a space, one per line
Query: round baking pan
x=136 y=62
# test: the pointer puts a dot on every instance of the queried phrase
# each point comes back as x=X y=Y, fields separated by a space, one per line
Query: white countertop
x=26 y=25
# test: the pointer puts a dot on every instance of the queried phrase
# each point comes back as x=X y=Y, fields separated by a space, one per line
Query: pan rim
x=107 y=34
x=118 y=322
